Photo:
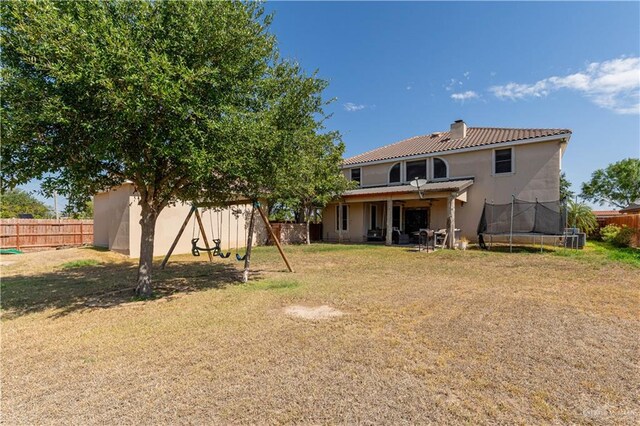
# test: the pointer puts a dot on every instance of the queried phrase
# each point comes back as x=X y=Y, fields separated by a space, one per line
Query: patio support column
x=339 y=219
x=389 y=222
x=451 y=221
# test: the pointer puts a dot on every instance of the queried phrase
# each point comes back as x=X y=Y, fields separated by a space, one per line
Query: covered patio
x=396 y=214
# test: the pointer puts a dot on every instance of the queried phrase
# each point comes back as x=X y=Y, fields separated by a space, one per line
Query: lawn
x=446 y=337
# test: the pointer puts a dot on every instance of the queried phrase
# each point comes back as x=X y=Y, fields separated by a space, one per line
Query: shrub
x=609 y=232
x=623 y=237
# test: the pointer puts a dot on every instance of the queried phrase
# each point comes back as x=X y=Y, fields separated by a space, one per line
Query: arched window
x=440 y=169
x=394 y=173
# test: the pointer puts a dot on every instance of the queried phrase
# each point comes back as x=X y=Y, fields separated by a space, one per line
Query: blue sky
x=402 y=69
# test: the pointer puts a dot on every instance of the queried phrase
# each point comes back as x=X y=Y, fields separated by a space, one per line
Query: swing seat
x=195 y=250
x=194 y=247
x=224 y=255
x=240 y=258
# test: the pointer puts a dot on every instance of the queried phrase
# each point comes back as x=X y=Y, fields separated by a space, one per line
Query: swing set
x=216 y=249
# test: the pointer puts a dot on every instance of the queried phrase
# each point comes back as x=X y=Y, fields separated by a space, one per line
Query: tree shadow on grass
x=108 y=285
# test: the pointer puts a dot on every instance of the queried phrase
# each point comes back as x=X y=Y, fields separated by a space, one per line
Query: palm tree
x=580 y=216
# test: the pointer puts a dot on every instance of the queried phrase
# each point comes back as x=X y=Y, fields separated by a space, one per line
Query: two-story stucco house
x=462 y=168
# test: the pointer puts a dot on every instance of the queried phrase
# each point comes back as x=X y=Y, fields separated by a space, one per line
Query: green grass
x=598 y=252
x=273 y=284
x=627 y=255
x=81 y=263
x=324 y=248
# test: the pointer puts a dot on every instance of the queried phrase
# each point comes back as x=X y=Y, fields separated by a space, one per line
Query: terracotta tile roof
x=440 y=141
x=451 y=185
x=605 y=213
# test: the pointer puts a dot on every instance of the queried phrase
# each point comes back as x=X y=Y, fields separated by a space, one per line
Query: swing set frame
x=194 y=211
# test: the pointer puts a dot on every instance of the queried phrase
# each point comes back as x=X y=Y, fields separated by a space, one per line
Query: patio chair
x=441 y=236
x=427 y=238
x=397 y=237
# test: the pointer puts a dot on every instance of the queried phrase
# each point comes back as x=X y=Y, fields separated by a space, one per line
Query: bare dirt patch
x=323 y=312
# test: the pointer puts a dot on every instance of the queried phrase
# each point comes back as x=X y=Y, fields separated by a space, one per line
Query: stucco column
x=339 y=219
x=389 y=221
x=451 y=221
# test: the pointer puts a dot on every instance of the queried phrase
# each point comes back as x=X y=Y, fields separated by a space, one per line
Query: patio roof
x=446 y=186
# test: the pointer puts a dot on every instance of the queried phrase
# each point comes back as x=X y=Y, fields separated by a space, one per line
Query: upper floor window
x=440 y=169
x=355 y=175
x=416 y=169
x=394 y=173
x=503 y=161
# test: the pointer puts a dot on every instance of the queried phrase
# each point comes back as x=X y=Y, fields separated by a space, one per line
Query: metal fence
x=26 y=234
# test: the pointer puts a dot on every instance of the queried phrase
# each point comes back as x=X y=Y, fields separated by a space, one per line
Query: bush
x=609 y=232
x=624 y=236
x=619 y=237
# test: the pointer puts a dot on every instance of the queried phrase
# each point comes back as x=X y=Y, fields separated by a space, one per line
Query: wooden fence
x=44 y=233
x=630 y=220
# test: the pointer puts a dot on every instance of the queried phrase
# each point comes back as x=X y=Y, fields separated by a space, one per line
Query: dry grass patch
x=445 y=337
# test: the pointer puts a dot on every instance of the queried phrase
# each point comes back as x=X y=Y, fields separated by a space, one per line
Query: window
x=342 y=221
x=440 y=169
x=355 y=175
x=395 y=217
x=394 y=173
x=416 y=169
x=374 y=219
x=502 y=161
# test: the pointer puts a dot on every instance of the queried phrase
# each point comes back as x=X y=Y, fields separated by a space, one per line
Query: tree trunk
x=247 y=259
x=148 y=223
x=308 y=231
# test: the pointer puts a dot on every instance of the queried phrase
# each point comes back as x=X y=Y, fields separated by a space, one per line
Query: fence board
x=630 y=220
x=43 y=233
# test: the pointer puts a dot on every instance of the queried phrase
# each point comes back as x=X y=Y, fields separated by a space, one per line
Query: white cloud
x=351 y=107
x=466 y=75
x=614 y=85
x=452 y=84
x=409 y=87
x=464 y=96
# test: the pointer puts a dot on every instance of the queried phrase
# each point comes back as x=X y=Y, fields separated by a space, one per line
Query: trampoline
x=530 y=219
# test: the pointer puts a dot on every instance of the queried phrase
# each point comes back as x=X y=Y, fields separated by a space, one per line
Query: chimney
x=458 y=130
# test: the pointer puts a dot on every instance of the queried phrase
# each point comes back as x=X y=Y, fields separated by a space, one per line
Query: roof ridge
x=474 y=138
x=521 y=128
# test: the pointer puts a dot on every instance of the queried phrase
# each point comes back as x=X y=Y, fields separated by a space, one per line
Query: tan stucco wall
x=355 y=232
x=117 y=227
x=171 y=218
x=111 y=219
x=536 y=176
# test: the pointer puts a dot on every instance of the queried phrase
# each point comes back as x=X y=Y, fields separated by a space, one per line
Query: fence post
x=17 y=235
x=81 y=233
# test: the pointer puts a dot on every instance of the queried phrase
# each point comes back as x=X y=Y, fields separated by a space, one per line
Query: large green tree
x=317 y=180
x=187 y=100
x=16 y=201
x=618 y=184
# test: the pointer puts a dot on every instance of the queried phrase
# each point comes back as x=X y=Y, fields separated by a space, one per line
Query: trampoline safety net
x=529 y=217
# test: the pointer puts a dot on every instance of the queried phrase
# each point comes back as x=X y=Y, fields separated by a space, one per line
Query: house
x=116 y=215
x=462 y=167
x=632 y=208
